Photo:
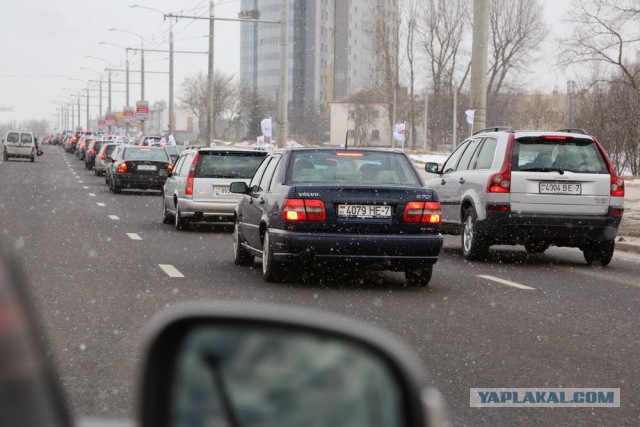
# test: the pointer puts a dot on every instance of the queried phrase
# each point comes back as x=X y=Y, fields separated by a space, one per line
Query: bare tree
x=252 y=108
x=605 y=32
x=410 y=24
x=516 y=30
x=194 y=97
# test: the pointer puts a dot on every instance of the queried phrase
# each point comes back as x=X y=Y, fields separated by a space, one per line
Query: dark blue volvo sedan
x=364 y=208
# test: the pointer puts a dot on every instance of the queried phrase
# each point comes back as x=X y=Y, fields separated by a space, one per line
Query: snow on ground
x=424 y=158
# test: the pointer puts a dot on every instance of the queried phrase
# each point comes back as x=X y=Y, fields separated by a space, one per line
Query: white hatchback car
x=198 y=188
x=534 y=188
x=19 y=144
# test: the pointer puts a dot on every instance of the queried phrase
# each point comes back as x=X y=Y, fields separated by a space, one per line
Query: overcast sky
x=44 y=44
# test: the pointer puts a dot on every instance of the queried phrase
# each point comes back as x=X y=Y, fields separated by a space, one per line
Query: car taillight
x=617 y=212
x=92 y=151
x=122 y=167
x=304 y=210
x=617 y=186
x=103 y=155
x=499 y=183
x=170 y=167
x=190 y=178
x=428 y=212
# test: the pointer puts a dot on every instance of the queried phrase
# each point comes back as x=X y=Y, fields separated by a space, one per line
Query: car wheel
x=6 y=157
x=240 y=255
x=117 y=189
x=179 y=223
x=474 y=245
x=419 y=276
x=536 y=247
x=166 y=216
x=32 y=159
x=271 y=270
x=602 y=251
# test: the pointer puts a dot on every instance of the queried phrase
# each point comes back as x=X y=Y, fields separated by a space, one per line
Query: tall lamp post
x=141 y=64
x=172 y=123
x=108 y=80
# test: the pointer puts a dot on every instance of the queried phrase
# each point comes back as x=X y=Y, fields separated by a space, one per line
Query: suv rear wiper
x=560 y=171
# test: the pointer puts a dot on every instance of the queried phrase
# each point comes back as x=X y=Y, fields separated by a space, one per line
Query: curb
x=627 y=247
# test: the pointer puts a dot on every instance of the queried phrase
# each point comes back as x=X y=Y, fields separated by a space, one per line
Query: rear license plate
x=146 y=167
x=221 y=191
x=364 y=211
x=560 y=188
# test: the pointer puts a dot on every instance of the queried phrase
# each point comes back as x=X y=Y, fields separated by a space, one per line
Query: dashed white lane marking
x=505 y=282
x=86 y=187
x=170 y=270
x=92 y=195
x=101 y=205
x=81 y=182
x=114 y=217
x=134 y=236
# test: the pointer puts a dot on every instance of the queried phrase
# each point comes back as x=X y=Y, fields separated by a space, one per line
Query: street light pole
x=282 y=92
x=172 y=123
x=479 y=54
x=210 y=71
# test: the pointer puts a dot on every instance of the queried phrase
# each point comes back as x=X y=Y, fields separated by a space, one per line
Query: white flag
x=265 y=125
x=470 y=116
x=399 y=133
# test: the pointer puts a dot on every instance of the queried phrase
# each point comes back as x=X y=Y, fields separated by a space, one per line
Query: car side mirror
x=432 y=167
x=245 y=364
x=240 y=187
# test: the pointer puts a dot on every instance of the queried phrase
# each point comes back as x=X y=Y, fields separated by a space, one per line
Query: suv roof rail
x=574 y=130
x=496 y=129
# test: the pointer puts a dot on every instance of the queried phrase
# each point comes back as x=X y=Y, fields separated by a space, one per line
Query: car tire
x=271 y=270
x=536 y=247
x=419 y=277
x=602 y=252
x=5 y=157
x=117 y=189
x=240 y=255
x=167 y=218
x=32 y=159
x=474 y=246
x=179 y=222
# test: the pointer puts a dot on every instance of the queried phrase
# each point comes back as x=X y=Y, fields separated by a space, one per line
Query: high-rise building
x=331 y=54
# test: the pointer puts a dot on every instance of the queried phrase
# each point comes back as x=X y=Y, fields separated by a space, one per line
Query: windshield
x=353 y=166
x=574 y=155
x=148 y=154
x=227 y=164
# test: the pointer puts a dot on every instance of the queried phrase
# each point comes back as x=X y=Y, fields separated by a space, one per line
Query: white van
x=19 y=144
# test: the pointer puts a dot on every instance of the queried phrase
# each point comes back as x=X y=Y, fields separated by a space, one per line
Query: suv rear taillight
x=617 y=186
x=191 y=176
x=103 y=155
x=303 y=210
x=428 y=212
x=122 y=167
x=501 y=182
x=92 y=151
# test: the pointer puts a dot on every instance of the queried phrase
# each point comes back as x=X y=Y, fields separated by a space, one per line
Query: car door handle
x=462 y=181
x=443 y=182
x=261 y=201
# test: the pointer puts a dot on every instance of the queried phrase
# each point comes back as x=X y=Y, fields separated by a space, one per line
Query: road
x=93 y=260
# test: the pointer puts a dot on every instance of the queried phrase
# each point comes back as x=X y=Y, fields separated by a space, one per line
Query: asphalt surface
x=95 y=288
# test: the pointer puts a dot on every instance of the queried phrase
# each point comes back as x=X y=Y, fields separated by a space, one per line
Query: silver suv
x=198 y=188
x=531 y=188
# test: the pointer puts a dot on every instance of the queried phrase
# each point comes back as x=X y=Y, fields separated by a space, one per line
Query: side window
x=273 y=180
x=487 y=153
x=465 y=160
x=186 y=165
x=268 y=174
x=178 y=166
x=452 y=161
x=255 y=181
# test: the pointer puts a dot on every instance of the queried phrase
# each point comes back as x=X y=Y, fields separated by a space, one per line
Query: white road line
x=101 y=205
x=86 y=187
x=505 y=282
x=134 y=236
x=81 y=182
x=92 y=195
x=170 y=270
x=114 y=217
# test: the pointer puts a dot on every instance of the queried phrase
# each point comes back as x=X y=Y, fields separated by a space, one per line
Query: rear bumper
x=513 y=228
x=208 y=210
x=382 y=251
x=140 y=182
x=13 y=151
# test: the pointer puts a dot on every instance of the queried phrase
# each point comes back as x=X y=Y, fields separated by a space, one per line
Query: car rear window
x=110 y=148
x=352 y=166
x=227 y=164
x=536 y=154
x=12 y=137
x=146 y=154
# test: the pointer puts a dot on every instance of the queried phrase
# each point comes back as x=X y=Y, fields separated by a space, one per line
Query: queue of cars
x=370 y=208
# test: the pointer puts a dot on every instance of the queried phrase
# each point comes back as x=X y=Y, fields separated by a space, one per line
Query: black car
x=138 y=168
x=174 y=151
x=92 y=150
x=363 y=207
